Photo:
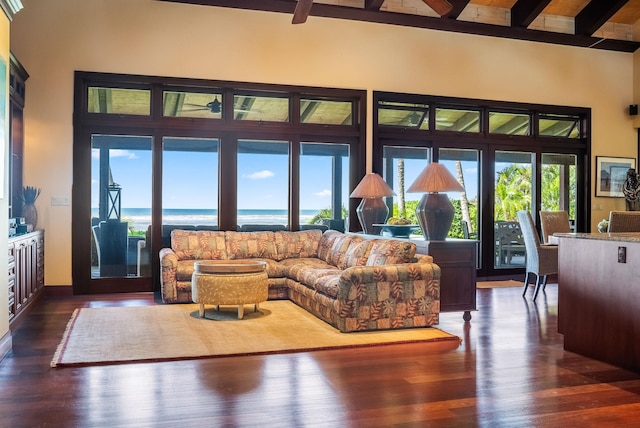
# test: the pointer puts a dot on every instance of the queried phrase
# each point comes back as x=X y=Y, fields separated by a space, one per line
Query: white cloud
x=259 y=175
x=323 y=193
x=115 y=153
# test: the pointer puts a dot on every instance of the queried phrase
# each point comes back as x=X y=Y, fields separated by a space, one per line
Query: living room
x=53 y=40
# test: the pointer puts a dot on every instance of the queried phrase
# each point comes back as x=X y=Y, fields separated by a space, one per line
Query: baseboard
x=6 y=343
x=58 y=290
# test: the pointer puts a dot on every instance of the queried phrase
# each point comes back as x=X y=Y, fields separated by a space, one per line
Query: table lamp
x=372 y=209
x=435 y=210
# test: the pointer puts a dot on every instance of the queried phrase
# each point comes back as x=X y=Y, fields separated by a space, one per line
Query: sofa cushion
x=294 y=267
x=390 y=251
x=297 y=244
x=356 y=254
x=198 y=245
x=327 y=285
x=339 y=248
x=326 y=243
x=249 y=245
x=186 y=267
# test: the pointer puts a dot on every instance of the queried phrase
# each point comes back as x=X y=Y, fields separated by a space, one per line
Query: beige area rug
x=498 y=284
x=173 y=332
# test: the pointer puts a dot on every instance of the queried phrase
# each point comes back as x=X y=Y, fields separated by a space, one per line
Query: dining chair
x=554 y=222
x=624 y=221
x=542 y=260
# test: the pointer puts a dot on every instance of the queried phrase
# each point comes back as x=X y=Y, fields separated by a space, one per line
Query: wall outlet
x=60 y=201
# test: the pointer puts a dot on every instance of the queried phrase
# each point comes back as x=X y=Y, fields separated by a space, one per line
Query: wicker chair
x=624 y=221
x=542 y=260
x=554 y=222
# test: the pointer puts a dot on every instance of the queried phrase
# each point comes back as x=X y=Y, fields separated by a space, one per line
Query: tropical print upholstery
x=297 y=244
x=391 y=251
x=351 y=282
x=247 y=245
x=199 y=245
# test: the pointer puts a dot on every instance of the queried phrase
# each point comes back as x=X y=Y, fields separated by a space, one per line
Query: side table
x=457 y=261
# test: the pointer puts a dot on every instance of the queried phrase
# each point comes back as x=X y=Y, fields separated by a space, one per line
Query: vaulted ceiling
x=599 y=24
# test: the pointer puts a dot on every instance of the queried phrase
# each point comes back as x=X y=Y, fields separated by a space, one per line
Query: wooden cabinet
x=26 y=271
x=457 y=261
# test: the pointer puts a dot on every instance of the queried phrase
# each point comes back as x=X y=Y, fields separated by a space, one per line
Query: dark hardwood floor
x=509 y=371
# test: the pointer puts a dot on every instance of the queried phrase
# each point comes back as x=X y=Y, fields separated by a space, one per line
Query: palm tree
x=464 y=201
x=402 y=210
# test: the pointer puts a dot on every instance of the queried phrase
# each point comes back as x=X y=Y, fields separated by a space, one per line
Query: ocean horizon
x=140 y=218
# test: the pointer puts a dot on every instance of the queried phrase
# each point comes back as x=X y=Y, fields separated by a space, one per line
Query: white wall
x=52 y=39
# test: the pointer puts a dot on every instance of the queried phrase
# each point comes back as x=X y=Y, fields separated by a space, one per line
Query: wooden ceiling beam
x=373 y=4
x=301 y=12
x=441 y=7
x=524 y=12
x=458 y=7
x=595 y=14
x=427 y=22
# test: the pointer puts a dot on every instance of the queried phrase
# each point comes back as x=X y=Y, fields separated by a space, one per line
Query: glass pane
x=560 y=126
x=191 y=104
x=465 y=166
x=513 y=183
x=448 y=119
x=403 y=115
x=120 y=205
x=119 y=101
x=509 y=123
x=559 y=177
x=263 y=182
x=189 y=182
x=326 y=112
x=402 y=165
x=324 y=184
x=268 y=109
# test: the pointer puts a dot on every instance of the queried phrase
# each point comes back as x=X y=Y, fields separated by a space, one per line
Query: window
x=192 y=104
x=559 y=126
x=119 y=101
x=509 y=123
x=510 y=156
x=261 y=108
x=458 y=120
x=263 y=182
x=212 y=154
x=403 y=115
x=326 y=112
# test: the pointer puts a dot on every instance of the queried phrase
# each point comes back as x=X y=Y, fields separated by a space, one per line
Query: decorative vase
x=30 y=214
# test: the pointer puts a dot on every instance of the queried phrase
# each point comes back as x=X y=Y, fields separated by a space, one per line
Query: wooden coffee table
x=229 y=282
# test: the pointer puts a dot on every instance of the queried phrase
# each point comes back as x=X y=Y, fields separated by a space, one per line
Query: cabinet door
x=11 y=282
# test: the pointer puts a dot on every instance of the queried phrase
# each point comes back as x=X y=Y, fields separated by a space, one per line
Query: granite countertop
x=619 y=237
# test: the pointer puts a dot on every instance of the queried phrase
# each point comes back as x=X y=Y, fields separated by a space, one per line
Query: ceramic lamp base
x=370 y=211
x=435 y=215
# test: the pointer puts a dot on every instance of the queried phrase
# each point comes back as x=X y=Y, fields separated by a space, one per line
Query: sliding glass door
x=120 y=204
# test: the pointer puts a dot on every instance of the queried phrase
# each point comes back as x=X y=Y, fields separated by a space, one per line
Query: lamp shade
x=372 y=186
x=434 y=211
x=372 y=209
x=435 y=178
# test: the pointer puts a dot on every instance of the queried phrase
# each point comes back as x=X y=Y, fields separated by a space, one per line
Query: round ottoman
x=229 y=282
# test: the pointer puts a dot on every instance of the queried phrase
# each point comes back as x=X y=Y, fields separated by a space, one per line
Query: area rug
x=498 y=284
x=174 y=332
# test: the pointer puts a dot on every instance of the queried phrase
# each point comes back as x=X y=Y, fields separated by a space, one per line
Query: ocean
x=140 y=218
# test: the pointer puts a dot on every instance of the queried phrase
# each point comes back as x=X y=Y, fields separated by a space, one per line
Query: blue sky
x=190 y=180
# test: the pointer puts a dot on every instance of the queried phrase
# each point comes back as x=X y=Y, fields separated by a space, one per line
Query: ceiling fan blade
x=441 y=7
x=300 y=14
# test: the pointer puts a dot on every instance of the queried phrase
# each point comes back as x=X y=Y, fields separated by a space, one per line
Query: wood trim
x=427 y=22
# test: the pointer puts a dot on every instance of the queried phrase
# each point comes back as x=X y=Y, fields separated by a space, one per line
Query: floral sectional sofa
x=351 y=282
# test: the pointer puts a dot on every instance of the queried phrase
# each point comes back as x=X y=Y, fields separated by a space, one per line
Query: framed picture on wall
x=611 y=172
